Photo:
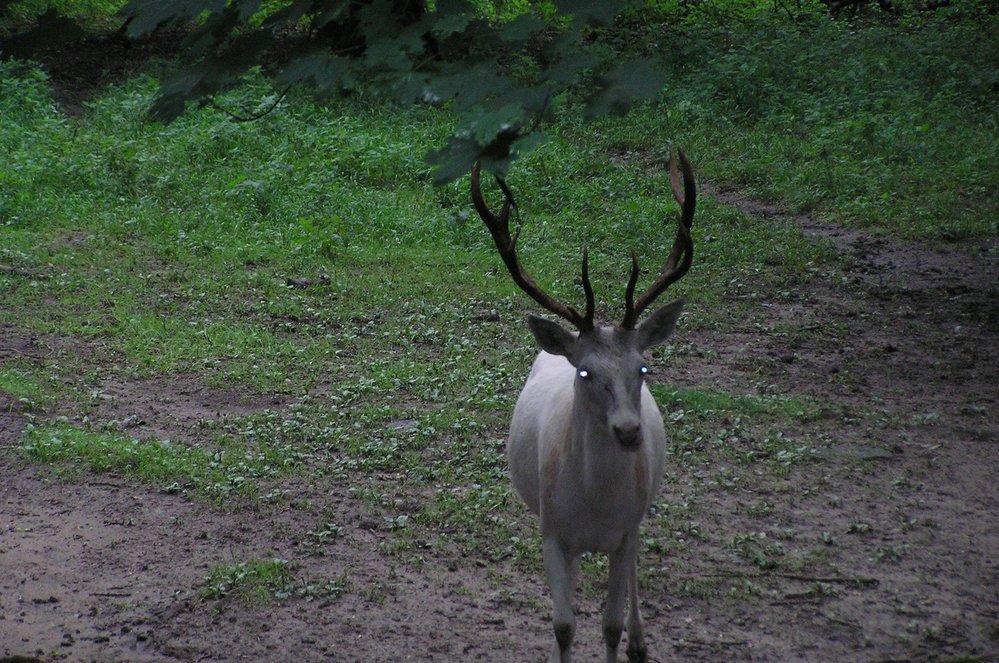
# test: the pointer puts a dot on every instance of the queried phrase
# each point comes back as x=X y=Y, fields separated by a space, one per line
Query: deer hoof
x=638 y=654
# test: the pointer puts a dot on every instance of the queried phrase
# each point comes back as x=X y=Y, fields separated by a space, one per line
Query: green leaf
x=333 y=12
x=487 y=126
x=147 y=15
x=469 y=86
x=529 y=142
x=632 y=81
x=320 y=69
x=245 y=9
x=521 y=28
x=454 y=160
x=450 y=24
x=592 y=13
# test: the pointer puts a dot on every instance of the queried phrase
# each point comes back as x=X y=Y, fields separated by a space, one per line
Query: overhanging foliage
x=500 y=76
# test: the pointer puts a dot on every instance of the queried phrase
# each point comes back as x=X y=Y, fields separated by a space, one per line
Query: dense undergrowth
x=874 y=123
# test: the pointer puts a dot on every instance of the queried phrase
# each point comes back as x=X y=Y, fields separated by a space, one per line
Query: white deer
x=587 y=444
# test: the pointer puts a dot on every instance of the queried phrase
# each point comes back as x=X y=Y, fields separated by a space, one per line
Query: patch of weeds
x=316 y=540
x=819 y=591
x=926 y=418
x=479 y=518
x=31 y=395
x=703 y=438
x=505 y=596
x=311 y=590
x=216 y=474
x=759 y=549
x=860 y=529
x=783 y=452
x=378 y=592
x=761 y=509
x=155 y=462
x=721 y=403
x=253 y=581
x=890 y=554
x=698 y=588
x=265 y=580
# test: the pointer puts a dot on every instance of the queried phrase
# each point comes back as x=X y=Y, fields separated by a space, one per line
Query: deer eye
x=644 y=370
x=583 y=373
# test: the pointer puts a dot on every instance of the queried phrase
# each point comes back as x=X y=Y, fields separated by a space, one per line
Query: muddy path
x=900 y=503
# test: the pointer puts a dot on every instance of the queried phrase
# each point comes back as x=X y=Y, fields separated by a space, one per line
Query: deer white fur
x=587 y=443
x=586 y=453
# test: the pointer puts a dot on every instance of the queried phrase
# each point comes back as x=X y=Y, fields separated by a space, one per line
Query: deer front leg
x=561 y=569
x=637 y=653
x=622 y=567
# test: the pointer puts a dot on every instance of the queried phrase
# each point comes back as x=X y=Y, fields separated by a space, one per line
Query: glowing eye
x=644 y=370
x=583 y=373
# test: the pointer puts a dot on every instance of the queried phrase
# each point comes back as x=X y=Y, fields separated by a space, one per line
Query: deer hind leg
x=622 y=567
x=562 y=570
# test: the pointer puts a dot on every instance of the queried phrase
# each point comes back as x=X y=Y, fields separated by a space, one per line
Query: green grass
x=867 y=124
x=254 y=581
x=715 y=402
x=93 y=15
x=24 y=386
x=148 y=251
x=217 y=473
x=265 y=580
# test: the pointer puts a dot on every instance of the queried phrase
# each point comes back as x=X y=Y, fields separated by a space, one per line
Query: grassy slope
x=885 y=126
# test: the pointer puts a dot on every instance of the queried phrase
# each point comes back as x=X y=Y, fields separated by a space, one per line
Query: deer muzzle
x=628 y=433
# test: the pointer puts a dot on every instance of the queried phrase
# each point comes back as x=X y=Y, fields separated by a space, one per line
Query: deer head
x=609 y=360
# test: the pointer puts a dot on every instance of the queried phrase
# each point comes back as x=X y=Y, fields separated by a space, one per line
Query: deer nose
x=628 y=434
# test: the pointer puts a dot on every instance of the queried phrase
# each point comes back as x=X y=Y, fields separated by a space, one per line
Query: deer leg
x=561 y=569
x=637 y=652
x=622 y=566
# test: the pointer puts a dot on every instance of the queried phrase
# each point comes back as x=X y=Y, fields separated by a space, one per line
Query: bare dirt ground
x=903 y=502
x=104 y=569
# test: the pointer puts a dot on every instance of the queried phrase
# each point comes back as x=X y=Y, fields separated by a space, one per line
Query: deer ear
x=552 y=337
x=658 y=326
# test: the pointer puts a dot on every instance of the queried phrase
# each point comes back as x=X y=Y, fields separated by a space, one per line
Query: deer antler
x=499 y=228
x=682 y=253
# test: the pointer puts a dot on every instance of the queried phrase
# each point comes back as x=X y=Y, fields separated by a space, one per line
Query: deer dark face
x=610 y=368
x=610 y=372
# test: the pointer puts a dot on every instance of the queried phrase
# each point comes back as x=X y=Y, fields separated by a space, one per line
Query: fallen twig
x=860 y=581
x=693 y=643
x=305 y=283
x=17 y=271
x=863 y=582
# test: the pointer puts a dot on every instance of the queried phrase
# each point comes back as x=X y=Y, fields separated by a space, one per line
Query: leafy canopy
x=502 y=76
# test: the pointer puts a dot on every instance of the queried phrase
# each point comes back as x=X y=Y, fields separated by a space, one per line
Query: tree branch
x=255 y=116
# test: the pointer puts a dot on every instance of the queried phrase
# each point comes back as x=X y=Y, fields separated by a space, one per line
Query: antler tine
x=683 y=246
x=588 y=291
x=689 y=188
x=499 y=228
x=629 y=294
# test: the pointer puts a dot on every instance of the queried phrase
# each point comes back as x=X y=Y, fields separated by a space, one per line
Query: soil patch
x=172 y=408
x=80 y=71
